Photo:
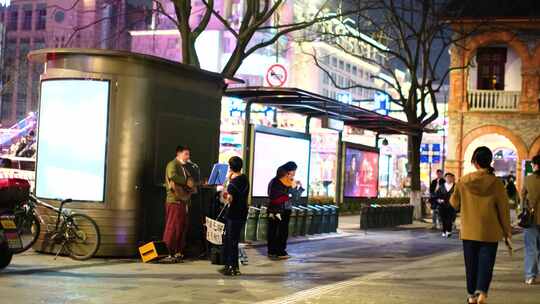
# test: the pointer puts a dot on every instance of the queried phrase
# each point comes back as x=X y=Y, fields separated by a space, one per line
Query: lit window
x=41 y=18
x=13 y=20
x=27 y=21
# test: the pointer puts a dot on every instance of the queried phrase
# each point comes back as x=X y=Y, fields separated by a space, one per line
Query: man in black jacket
x=433 y=199
x=446 y=211
x=236 y=197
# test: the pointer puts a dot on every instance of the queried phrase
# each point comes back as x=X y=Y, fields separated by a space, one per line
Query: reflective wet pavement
x=354 y=268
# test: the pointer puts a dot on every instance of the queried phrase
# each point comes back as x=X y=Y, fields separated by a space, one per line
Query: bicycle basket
x=13 y=191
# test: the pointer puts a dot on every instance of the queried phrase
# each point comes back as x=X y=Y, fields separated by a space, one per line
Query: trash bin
x=322 y=219
x=377 y=216
x=315 y=220
x=329 y=219
x=250 y=228
x=262 y=224
x=292 y=222
x=300 y=221
x=336 y=222
x=308 y=219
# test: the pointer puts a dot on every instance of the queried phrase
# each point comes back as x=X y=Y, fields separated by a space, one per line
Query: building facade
x=32 y=25
x=494 y=102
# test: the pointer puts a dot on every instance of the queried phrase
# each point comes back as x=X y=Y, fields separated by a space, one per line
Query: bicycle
x=76 y=234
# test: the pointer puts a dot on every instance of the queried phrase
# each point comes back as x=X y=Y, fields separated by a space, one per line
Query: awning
x=315 y=105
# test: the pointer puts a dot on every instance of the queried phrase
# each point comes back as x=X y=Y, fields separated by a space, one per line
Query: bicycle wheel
x=5 y=254
x=29 y=228
x=83 y=237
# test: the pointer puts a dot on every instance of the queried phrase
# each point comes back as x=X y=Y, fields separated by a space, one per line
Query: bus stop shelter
x=313 y=105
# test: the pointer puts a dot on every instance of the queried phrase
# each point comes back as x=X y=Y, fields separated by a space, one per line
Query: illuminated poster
x=72 y=139
x=274 y=150
x=361 y=173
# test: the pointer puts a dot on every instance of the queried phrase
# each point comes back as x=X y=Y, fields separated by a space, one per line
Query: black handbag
x=526 y=218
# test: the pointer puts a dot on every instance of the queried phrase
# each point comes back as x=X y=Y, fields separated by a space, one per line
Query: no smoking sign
x=276 y=75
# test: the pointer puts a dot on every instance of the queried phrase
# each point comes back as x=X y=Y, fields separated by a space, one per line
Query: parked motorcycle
x=13 y=191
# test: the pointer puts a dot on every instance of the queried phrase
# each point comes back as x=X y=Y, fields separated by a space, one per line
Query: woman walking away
x=236 y=197
x=280 y=193
x=485 y=220
x=531 y=200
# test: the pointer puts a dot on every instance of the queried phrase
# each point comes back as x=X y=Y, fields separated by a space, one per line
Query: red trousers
x=175 y=227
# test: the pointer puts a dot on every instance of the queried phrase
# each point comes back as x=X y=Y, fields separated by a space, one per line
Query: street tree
x=414 y=37
x=258 y=23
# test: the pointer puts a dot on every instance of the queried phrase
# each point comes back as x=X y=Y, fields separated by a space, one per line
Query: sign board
x=344 y=97
x=214 y=231
x=333 y=124
x=527 y=168
x=276 y=75
x=430 y=153
x=382 y=102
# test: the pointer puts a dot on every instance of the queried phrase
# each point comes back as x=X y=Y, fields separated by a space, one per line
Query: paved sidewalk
x=411 y=264
x=439 y=279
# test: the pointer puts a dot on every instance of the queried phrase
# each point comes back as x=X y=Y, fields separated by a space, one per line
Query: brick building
x=495 y=101
x=32 y=24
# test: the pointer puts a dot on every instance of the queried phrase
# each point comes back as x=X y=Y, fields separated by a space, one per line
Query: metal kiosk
x=109 y=122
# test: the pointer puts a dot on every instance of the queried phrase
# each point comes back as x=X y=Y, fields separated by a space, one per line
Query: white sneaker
x=530 y=281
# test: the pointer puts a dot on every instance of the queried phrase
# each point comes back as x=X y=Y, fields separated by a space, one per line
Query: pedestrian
x=236 y=197
x=433 y=199
x=281 y=191
x=180 y=183
x=531 y=200
x=512 y=193
x=485 y=220
x=446 y=211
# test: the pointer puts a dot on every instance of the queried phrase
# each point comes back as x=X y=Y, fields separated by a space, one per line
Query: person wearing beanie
x=281 y=191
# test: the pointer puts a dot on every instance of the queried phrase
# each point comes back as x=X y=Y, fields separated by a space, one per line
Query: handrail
x=493 y=100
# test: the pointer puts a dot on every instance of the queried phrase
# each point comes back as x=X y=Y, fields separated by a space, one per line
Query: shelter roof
x=315 y=105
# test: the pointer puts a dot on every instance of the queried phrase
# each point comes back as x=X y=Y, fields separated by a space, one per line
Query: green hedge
x=353 y=207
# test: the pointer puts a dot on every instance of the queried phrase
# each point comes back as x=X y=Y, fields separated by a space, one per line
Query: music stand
x=218 y=175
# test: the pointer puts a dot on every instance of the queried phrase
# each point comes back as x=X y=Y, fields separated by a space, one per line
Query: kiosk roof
x=315 y=105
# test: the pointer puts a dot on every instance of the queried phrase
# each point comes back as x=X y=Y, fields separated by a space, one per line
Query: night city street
x=269 y=151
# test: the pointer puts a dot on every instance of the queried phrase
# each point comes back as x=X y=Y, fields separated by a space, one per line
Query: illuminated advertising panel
x=361 y=172
x=72 y=139
x=273 y=148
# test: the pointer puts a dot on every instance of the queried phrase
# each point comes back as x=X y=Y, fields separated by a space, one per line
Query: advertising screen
x=270 y=152
x=361 y=173
x=72 y=139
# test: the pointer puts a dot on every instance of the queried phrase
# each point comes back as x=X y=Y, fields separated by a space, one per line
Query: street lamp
x=388 y=156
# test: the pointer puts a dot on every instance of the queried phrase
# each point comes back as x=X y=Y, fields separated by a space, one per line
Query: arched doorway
x=505 y=154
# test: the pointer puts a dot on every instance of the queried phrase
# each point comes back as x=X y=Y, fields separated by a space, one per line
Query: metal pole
x=247 y=138
x=388 y=175
x=339 y=174
x=443 y=156
x=308 y=121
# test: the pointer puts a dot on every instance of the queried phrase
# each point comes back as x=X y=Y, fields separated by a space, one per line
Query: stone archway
x=499 y=37
x=535 y=148
x=521 y=148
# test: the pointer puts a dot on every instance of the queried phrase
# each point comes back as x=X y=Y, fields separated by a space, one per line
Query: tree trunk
x=414 y=142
